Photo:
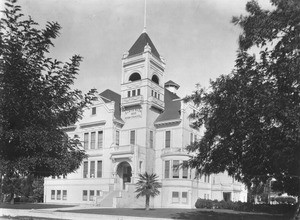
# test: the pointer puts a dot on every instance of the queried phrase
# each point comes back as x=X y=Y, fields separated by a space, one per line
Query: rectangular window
x=128 y=93
x=208 y=178
x=184 y=197
x=92 y=169
x=52 y=194
x=175 y=169
x=84 y=195
x=100 y=139
x=93 y=140
x=92 y=194
x=168 y=139
x=185 y=172
x=133 y=92
x=98 y=193
x=152 y=93
x=99 y=168
x=155 y=94
x=158 y=96
x=132 y=137
x=139 y=92
x=175 y=197
x=85 y=169
x=195 y=138
x=117 y=138
x=86 y=141
x=151 y=139
x=58 y=195
x=191 y=138
x=167 y=169
x=93 y=110
x=64 y=195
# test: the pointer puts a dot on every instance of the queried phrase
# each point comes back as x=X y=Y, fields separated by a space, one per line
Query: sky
x=195 y=37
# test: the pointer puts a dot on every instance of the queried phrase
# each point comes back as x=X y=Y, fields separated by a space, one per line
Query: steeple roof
x=139 y=45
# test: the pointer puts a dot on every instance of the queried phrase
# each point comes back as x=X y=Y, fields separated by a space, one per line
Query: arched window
x=134 y=77
x=155 y=79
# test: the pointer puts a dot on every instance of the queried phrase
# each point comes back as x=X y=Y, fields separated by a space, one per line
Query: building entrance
x=124 y=173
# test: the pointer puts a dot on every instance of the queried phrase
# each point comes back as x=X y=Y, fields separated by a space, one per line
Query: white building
x=145 y=128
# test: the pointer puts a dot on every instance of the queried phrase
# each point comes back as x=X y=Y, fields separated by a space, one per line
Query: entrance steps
x=122 y=199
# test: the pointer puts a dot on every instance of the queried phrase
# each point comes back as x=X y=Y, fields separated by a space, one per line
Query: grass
x=193 y=214
x=32 y=206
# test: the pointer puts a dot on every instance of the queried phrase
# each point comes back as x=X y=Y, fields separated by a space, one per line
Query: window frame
x=168 y=139
x=100 y=139
x=132 y=137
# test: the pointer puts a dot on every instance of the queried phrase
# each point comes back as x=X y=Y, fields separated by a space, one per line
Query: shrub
x=246 y=207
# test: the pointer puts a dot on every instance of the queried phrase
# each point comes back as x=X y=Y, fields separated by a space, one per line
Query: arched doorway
x=124 y=173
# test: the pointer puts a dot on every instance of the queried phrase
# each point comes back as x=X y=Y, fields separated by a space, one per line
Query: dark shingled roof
x=113 y=96
x=141 y=42
x=172 y=108
x=172 y=83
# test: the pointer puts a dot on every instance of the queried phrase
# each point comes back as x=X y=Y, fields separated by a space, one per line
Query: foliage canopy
x=36 y=100
x=252 y=116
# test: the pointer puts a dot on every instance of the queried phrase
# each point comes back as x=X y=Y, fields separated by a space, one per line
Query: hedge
x=245 y=207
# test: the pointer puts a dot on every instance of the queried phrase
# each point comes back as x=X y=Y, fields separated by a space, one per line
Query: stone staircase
x=122 y=199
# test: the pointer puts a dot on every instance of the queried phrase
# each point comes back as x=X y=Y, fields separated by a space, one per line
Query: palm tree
x=147 y=185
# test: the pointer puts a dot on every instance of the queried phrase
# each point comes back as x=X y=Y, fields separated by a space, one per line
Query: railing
x=123 y=149
x=156 y=102
x=133 y=100
x=169 y=151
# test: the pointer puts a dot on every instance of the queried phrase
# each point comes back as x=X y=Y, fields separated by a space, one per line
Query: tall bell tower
x=142 y=99
x=143 y=75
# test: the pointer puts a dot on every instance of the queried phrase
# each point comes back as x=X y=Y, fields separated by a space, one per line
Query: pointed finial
x=145 y=16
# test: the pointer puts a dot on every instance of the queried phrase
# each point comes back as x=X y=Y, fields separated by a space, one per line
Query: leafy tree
x=148 y=186
x=36 y=100
x=252 y=115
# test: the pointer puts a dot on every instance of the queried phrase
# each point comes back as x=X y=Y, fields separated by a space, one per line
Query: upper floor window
x=168 y=139
x=155 y=79
x=151 y=139
x=117 y=137
x=138 y=91
x=167 y=169
x=94 y=110
x=92 y=169
x=93 y=140
x=175 y=168
x=132 y=137
x=86 y=141
x=133 y=92
x=134 y=77
x=85 y=169
x=128 y=93
x=100 y=139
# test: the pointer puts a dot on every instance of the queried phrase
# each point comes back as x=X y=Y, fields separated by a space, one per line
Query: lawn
x=193 y=214
x=32 y=206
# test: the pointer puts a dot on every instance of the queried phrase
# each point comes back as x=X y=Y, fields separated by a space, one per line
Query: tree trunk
x=297 y=213
x=147 y=202
x=12 y=200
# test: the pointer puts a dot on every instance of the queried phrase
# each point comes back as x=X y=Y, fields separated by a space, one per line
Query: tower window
x=128 y=94
x=138 y=92
x=155 y=79
x=134 y=77
x=93 y=110
x=133 y=92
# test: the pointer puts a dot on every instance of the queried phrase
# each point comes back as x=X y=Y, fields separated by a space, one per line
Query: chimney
x=171 y=86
